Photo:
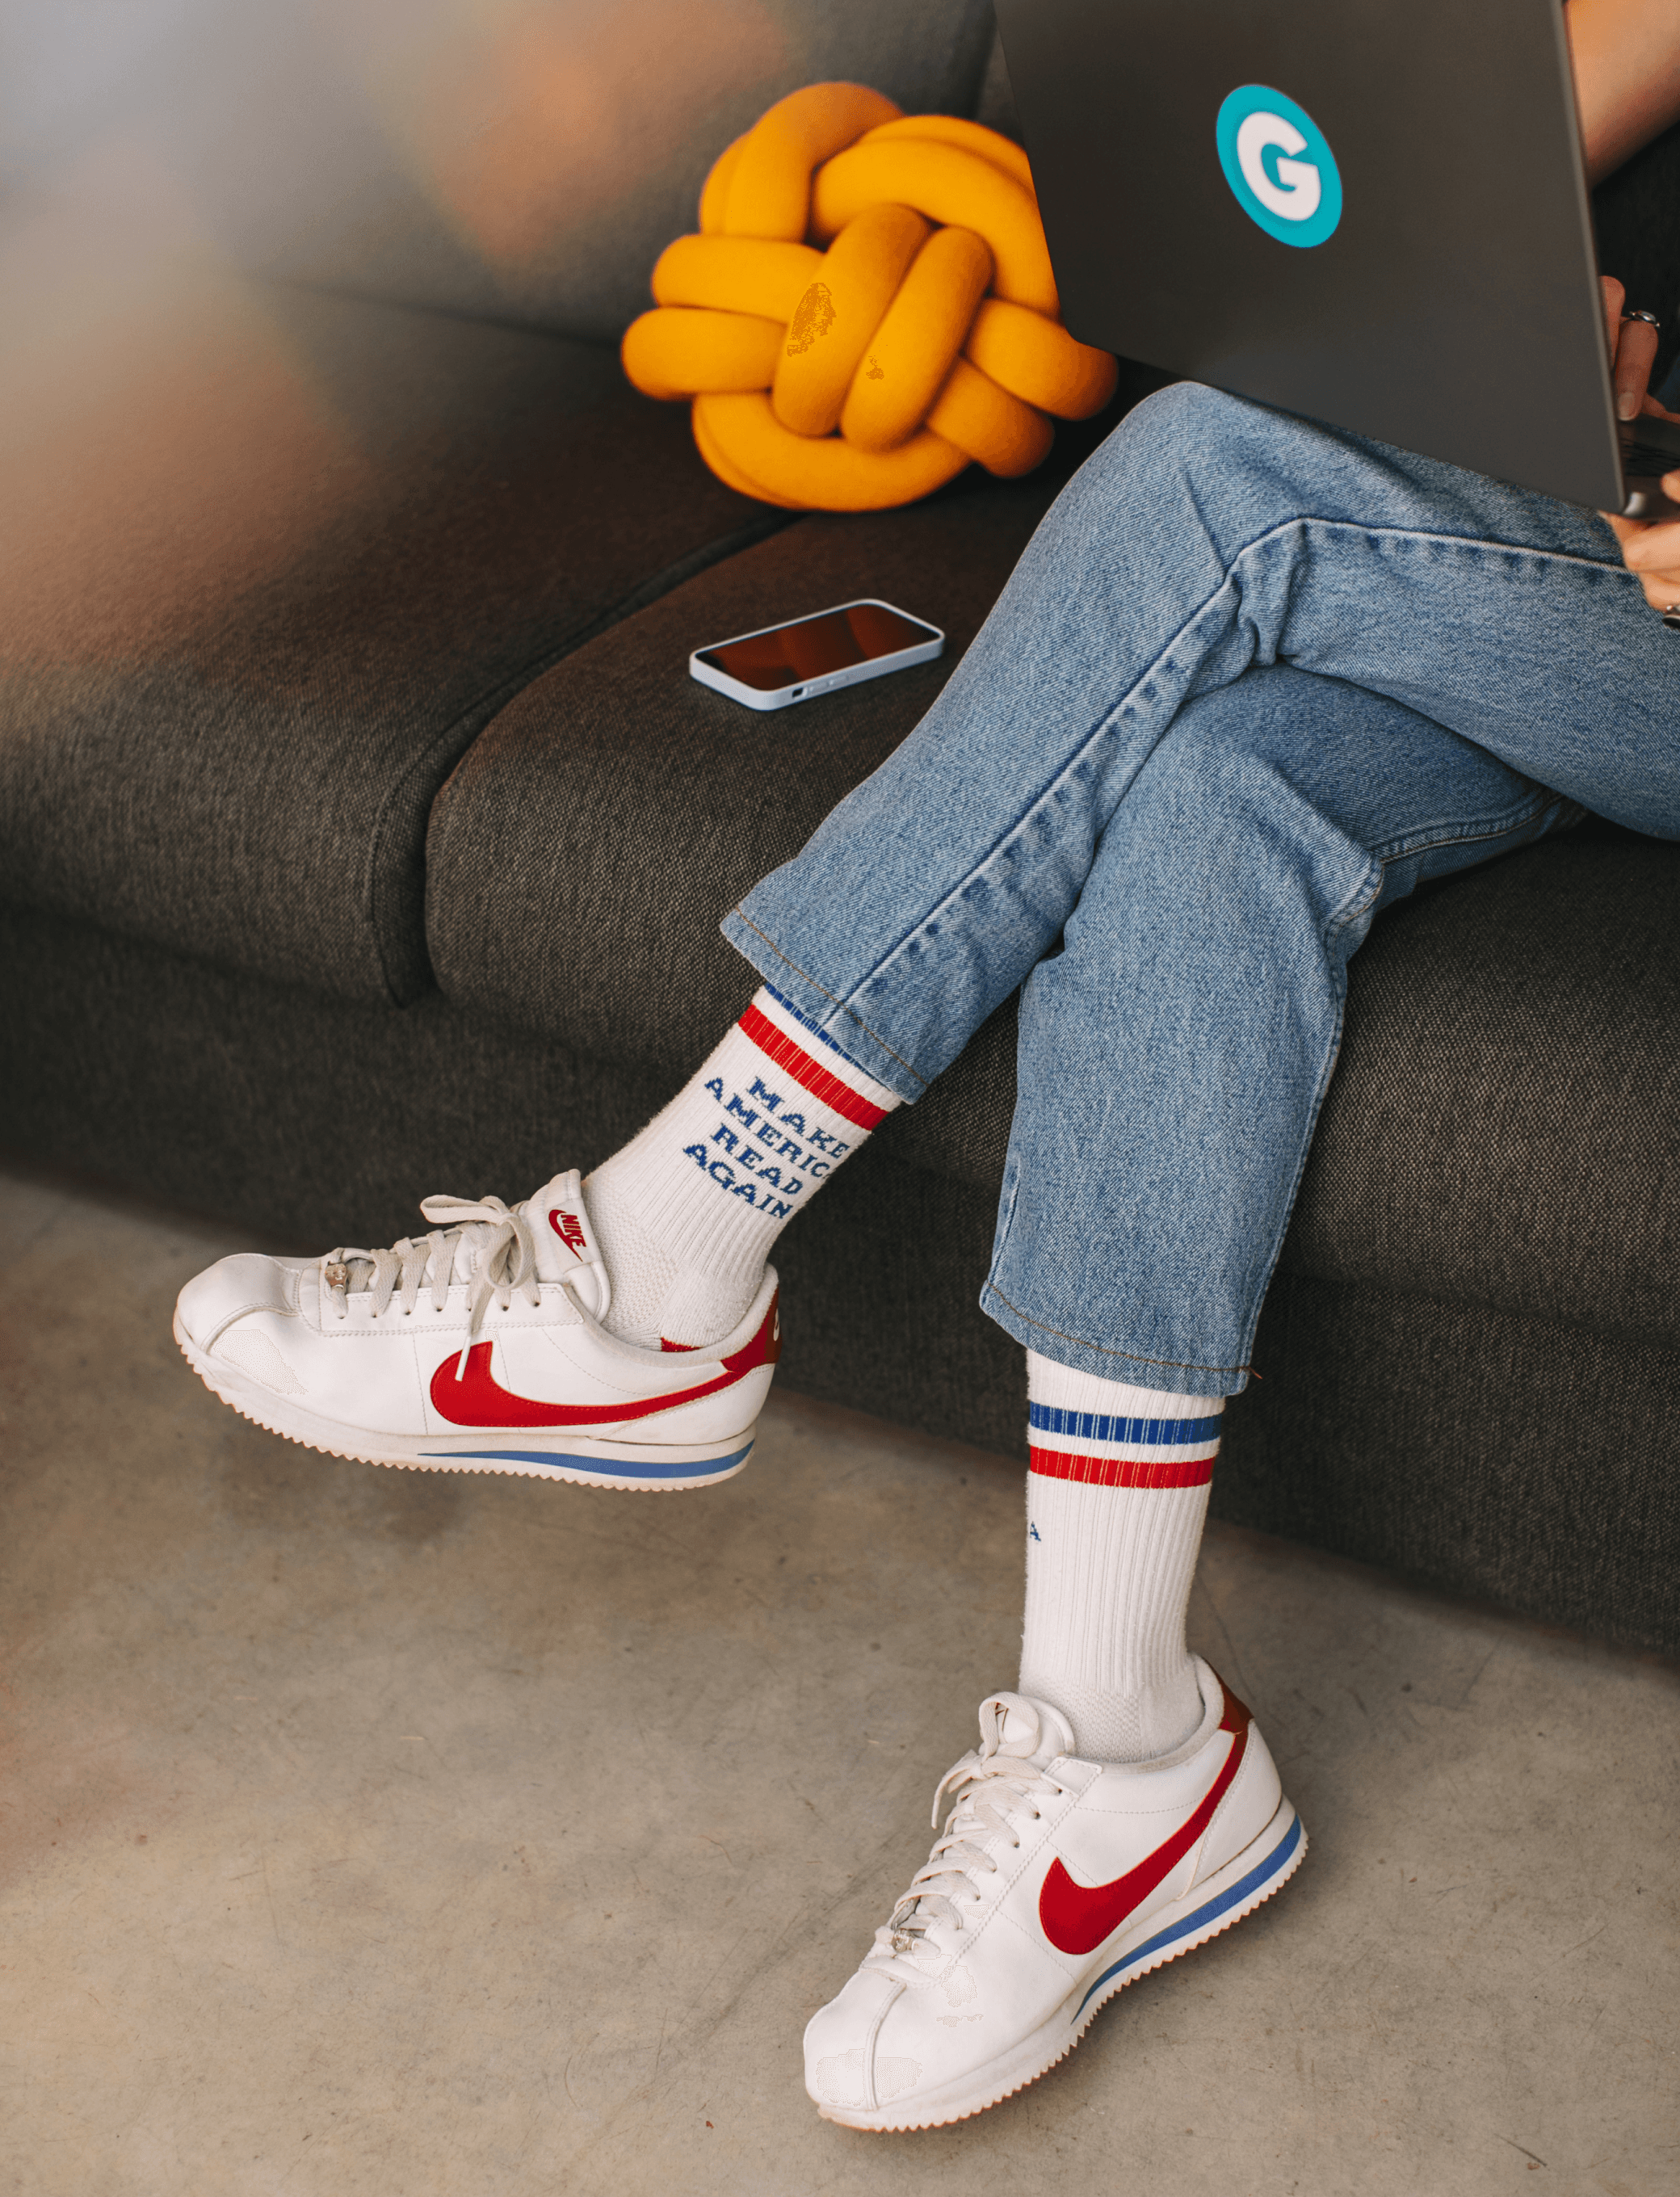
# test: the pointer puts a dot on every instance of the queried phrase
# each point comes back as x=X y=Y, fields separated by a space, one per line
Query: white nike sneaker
x=477 y=1348
x=1056 y=1882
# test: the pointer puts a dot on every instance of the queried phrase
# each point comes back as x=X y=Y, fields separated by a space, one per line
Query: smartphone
x=783 y=663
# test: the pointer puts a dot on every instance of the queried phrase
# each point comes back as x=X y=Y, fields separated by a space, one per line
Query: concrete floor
x=367 y=1832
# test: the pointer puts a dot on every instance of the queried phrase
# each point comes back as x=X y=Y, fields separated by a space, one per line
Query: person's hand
x=1651 y=551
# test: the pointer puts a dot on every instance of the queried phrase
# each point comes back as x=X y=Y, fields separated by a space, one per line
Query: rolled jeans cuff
x=781 y=964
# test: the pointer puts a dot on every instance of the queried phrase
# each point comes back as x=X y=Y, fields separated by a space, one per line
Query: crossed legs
x=1251 y=682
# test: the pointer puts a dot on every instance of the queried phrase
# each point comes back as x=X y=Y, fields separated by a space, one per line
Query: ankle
x=688 y=1211
x=664 y=1292
x=1117 y=1493
x=1139 y=1725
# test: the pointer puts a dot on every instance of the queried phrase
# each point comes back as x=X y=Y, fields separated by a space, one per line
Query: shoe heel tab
x=1235 y=1716
x=764 y=1347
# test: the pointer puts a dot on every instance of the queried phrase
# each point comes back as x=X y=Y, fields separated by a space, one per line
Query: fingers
x=1652 y=554
x=1634 y=355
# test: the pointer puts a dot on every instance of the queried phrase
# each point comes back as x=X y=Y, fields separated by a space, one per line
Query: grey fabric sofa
x=362 y=836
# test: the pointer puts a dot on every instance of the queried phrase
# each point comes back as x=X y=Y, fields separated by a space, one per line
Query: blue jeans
x=1251 y=682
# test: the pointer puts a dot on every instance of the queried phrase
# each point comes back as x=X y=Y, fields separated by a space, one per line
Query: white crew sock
x=685 y=1214
x=1116 y=1494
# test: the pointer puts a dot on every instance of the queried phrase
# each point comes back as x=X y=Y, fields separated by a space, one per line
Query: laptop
x=1370 y=212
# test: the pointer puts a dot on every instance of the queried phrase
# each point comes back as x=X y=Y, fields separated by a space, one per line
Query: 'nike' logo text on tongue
x=569 y=1230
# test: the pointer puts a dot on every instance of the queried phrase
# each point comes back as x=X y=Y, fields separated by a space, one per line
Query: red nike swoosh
x=478 y=1399
x=1077 y=1918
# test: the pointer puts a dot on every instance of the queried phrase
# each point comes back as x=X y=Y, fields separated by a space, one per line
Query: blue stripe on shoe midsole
x=1252 y=1882
x=621 y=1467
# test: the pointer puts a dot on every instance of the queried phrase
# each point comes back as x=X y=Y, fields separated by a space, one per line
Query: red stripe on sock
x=821 y=1082
x=1123 y=1471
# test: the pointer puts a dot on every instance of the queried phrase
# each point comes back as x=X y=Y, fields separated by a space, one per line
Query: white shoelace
x=503 y=1261
x=987 y=1787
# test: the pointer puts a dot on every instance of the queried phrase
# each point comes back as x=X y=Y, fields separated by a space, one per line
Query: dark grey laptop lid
x=1453 y=307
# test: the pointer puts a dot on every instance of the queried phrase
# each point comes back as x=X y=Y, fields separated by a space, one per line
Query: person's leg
x=686 y=1213
x=1173 y=1053
x=1173 y=1057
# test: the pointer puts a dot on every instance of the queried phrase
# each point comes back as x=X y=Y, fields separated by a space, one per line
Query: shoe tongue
x=564 y=1240
x=1015 y=1723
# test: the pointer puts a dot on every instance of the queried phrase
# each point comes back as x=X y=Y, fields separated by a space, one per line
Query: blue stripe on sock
x=805 y=1023
x=1096 y=1426
x=626 y=1468
x=1203 y=1916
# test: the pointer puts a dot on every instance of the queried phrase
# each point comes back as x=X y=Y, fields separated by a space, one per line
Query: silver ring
x=1649 y=319
x=1671 y=618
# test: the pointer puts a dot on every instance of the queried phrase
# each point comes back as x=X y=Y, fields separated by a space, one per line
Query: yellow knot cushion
x=868 y=373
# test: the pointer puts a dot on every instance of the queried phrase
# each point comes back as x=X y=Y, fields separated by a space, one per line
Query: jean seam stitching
x=1466 y=835
x=1013 y=1173
x=1358 y=903
x=1480 y=544
x=842 y=1005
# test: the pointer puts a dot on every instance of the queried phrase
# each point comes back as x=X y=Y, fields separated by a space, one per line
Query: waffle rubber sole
x=592 y=1461
x=1263 y=1867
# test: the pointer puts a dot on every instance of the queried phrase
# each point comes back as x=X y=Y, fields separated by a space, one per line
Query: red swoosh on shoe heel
x=1077 y=1918
x=478 y=1399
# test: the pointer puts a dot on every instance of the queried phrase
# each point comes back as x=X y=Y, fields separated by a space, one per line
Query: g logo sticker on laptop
x=1278 y=163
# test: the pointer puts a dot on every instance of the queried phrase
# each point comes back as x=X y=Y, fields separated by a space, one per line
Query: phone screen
x=812 y=648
